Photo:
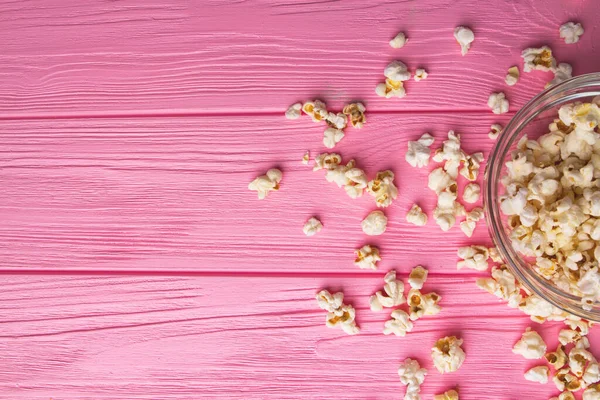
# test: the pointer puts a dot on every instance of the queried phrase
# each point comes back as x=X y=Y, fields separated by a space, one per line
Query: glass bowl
x=532 y=120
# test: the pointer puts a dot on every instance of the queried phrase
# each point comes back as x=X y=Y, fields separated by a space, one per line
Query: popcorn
x=420 y=304
x=473 y=257
x=420 y=74
x=356 y=182
x=399 y=325
x=316 y=110
x=338 y=314
x=306 y=158
x=416 y=216
x=332 y=136
x=592 y=373
x=471 y=193
x=447 y=209
x=563 y=72
x=503 y=285
x=264 y=184
x=512 y=77
x=312 y=227
x=447 y=355
x=567 y=336
x=591 y=393
x=398 y=41
x=470 y=169
x=397 y=71
x=411 y=374
x=537 y=308
x=352 y=179
x=558 y=358
x=578 y=360
x=531 y=346
x=498 y=103
x=571 y=32
x=564 y=396
x=495 y=130
x=538 y=59
x=355 y=112
x=469 y=224
x=564 y=380
x=417 y=277
x=294 y=111
x=439 y=180
x=383 y=188
x=514 y=201
x=464 y=36
x=390 y=89
x=450 y=151
x=374 y=224
x=538 y=374
x=449 y=395
x=394 y=291
x=418 y=152
x=367 y=257
x=495 y=255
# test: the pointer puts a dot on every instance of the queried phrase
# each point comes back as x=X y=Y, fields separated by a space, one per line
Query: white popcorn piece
x=339 y=315
x=399 y=324
x=470 y=223
x=538 y=59
x=512 y=77
x=447 y=355
x=450 y=151
x=374 y=224
x=420 y=74
x=420 y=304
x=578 y=361
x=332 y=136
x=337 y=121
x=564 y=380
x=451 y=394
x=439 y=180
x=558 y=358
x=416 y=216
x=419 y=152
x=390 y=89
x=538 y=374
x=514 y=203
x=411 y=373
x=464 y=36
x=531 y=345
x=537 y=308
x=473 y=257
x=591 y=393
x=564 y=396
x=397 y=71
x=356 y=182
x=294 y=111
x=355 y=112
x=495 y=130
x=312 y=226
x=562 y=73
x=503 y=285
x=570 y=32
x=330 y=302
x=592 y=373
x=398 y=41
x=394 y=293
x=567 y=336
x=498 y=103
x=383 y=188
x=327 y=161
x=306 y=157
x=471 y=165
x=316 y=109
x=264 y=184
x=471 y=193
x=417 y=277
x=495 y=255
x=367 y=257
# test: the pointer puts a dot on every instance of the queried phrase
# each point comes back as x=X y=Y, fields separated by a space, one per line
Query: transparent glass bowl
x=532 y=120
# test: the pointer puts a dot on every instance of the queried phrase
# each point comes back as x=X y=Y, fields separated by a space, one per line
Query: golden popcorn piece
x=451 y=394
x=356 y=114
x=558 y=358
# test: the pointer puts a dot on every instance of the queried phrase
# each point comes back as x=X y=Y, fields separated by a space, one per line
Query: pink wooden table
x=136 y=264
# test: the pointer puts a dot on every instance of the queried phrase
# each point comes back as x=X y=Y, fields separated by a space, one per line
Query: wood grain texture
x=66 y=57
x=171 y=194
x=117 y=337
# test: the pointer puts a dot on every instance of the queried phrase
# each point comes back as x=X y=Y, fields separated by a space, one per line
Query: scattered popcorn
x=495 y=130
x=564 y=396
x=564 y=380
x=418 y=152
x=578 y=361
x=562 y=73
x=338 y=314
x=264 y=184
x=449 y=395
x=399 y=325
x=531 y=346
x=495 y=255
x=312 y=227
x=352 y=179
x=473 y=257
x=498 y=103
x=591 y=393
x=503 y=285
x=412 y=375
x=394 y=291
x=571 y=32
x=416 y=216
x=471 y=193
x=306 y=158
x=398 y=41
x=316 y=110
x=512 y=77
x=447 y=354
x=383 y=188
x=367 y=257
x=538 y=59
x=538 y=374
x=440 y=180
x=558 y=358
x=471 y=164
x=374 y=224
x=417 y=277
x=390 y=89
x=567 y=336
x=356 y=114
x=332 y=136
x=420 y=304
x=420 y=74
x=470 y=223
x=464 y=36
x=397 y=71
x=537 y=308
x=294 y=111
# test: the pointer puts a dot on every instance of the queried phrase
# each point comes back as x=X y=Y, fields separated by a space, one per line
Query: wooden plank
x=66 y=57
x=136 y=337
x=171 y=194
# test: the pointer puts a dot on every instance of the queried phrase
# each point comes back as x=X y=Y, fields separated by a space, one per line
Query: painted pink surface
x=136 y=264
